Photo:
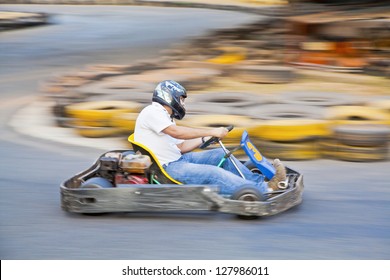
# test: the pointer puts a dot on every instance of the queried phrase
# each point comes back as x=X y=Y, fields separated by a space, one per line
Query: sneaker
x=280 y=175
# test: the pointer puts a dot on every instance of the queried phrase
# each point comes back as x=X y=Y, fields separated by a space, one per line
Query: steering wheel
x=214 y=139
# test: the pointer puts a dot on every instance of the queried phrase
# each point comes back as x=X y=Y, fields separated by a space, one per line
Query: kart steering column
x=227 y=155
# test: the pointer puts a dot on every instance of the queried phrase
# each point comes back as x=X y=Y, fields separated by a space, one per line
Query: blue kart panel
x=256 y=157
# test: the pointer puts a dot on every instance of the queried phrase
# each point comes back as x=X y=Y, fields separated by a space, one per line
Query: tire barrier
x=123 y=84
x=285 y=123
x=378 y=66
x=93 y=119
x=204 y=108
x=61 y=117
x=292 y=130
x=286 y=111
x=264 y=74
x=191 y=78
x=61 y=97
x=357 y=142
x=362 y=135
x=228 y=103
x=125 y=122
x=236 y=100
x=316 y=98
x=291 y=139
x=60 y=101
x=334 y=149
x=305 y=150
x=357 y=115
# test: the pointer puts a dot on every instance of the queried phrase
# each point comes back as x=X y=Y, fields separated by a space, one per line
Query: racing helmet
x=169 y=93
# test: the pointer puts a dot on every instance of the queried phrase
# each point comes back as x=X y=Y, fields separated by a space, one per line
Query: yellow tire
x=305 y=150
x=99 y=113
x=290 y=130
x=125 y=121
x=357 y=115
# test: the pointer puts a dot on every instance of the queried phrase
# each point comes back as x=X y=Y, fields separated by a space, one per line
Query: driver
x=173 y=146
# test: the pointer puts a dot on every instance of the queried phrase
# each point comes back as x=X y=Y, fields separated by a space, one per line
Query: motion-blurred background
x=309 y=80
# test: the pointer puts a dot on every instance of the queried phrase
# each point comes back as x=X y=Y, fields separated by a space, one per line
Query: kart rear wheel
x=95 y=183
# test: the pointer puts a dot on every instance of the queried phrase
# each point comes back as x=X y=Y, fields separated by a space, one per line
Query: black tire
x=318 y=98
x=287 y=111
x=97 y=183
x=252 y=167
x=249 y=194
x=368 y=135
x=94 y=214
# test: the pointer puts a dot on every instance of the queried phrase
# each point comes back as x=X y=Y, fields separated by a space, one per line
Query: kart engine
x=125 y=168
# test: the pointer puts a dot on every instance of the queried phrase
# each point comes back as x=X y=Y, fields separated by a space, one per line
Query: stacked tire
x=359 y=133
x=98 y=119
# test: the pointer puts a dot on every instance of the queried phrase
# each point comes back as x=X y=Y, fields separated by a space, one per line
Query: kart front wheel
x=252 y=167
x=248 y=194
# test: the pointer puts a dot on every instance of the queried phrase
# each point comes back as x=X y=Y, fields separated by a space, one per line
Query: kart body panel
x=76 y=198
x=256 y=157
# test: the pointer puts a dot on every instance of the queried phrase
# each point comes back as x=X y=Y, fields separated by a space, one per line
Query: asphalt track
x=345 y=213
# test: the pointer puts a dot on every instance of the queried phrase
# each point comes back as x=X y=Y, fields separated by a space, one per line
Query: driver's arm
x=189 y=145
x=193 y=136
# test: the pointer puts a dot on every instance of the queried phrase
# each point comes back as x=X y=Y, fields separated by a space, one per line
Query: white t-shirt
x=150 y=123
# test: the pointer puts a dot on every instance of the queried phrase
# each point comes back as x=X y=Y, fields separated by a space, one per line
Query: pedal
x=283 y=185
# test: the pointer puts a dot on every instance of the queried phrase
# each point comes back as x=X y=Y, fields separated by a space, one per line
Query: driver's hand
x=220 y=132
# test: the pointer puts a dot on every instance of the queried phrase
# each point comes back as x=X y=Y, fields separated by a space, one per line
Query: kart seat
x=158 y=174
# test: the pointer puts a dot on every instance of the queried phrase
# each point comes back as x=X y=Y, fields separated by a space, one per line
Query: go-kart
x=135 y=181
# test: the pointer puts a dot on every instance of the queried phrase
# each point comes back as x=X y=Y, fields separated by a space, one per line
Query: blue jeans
x=201 y=168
